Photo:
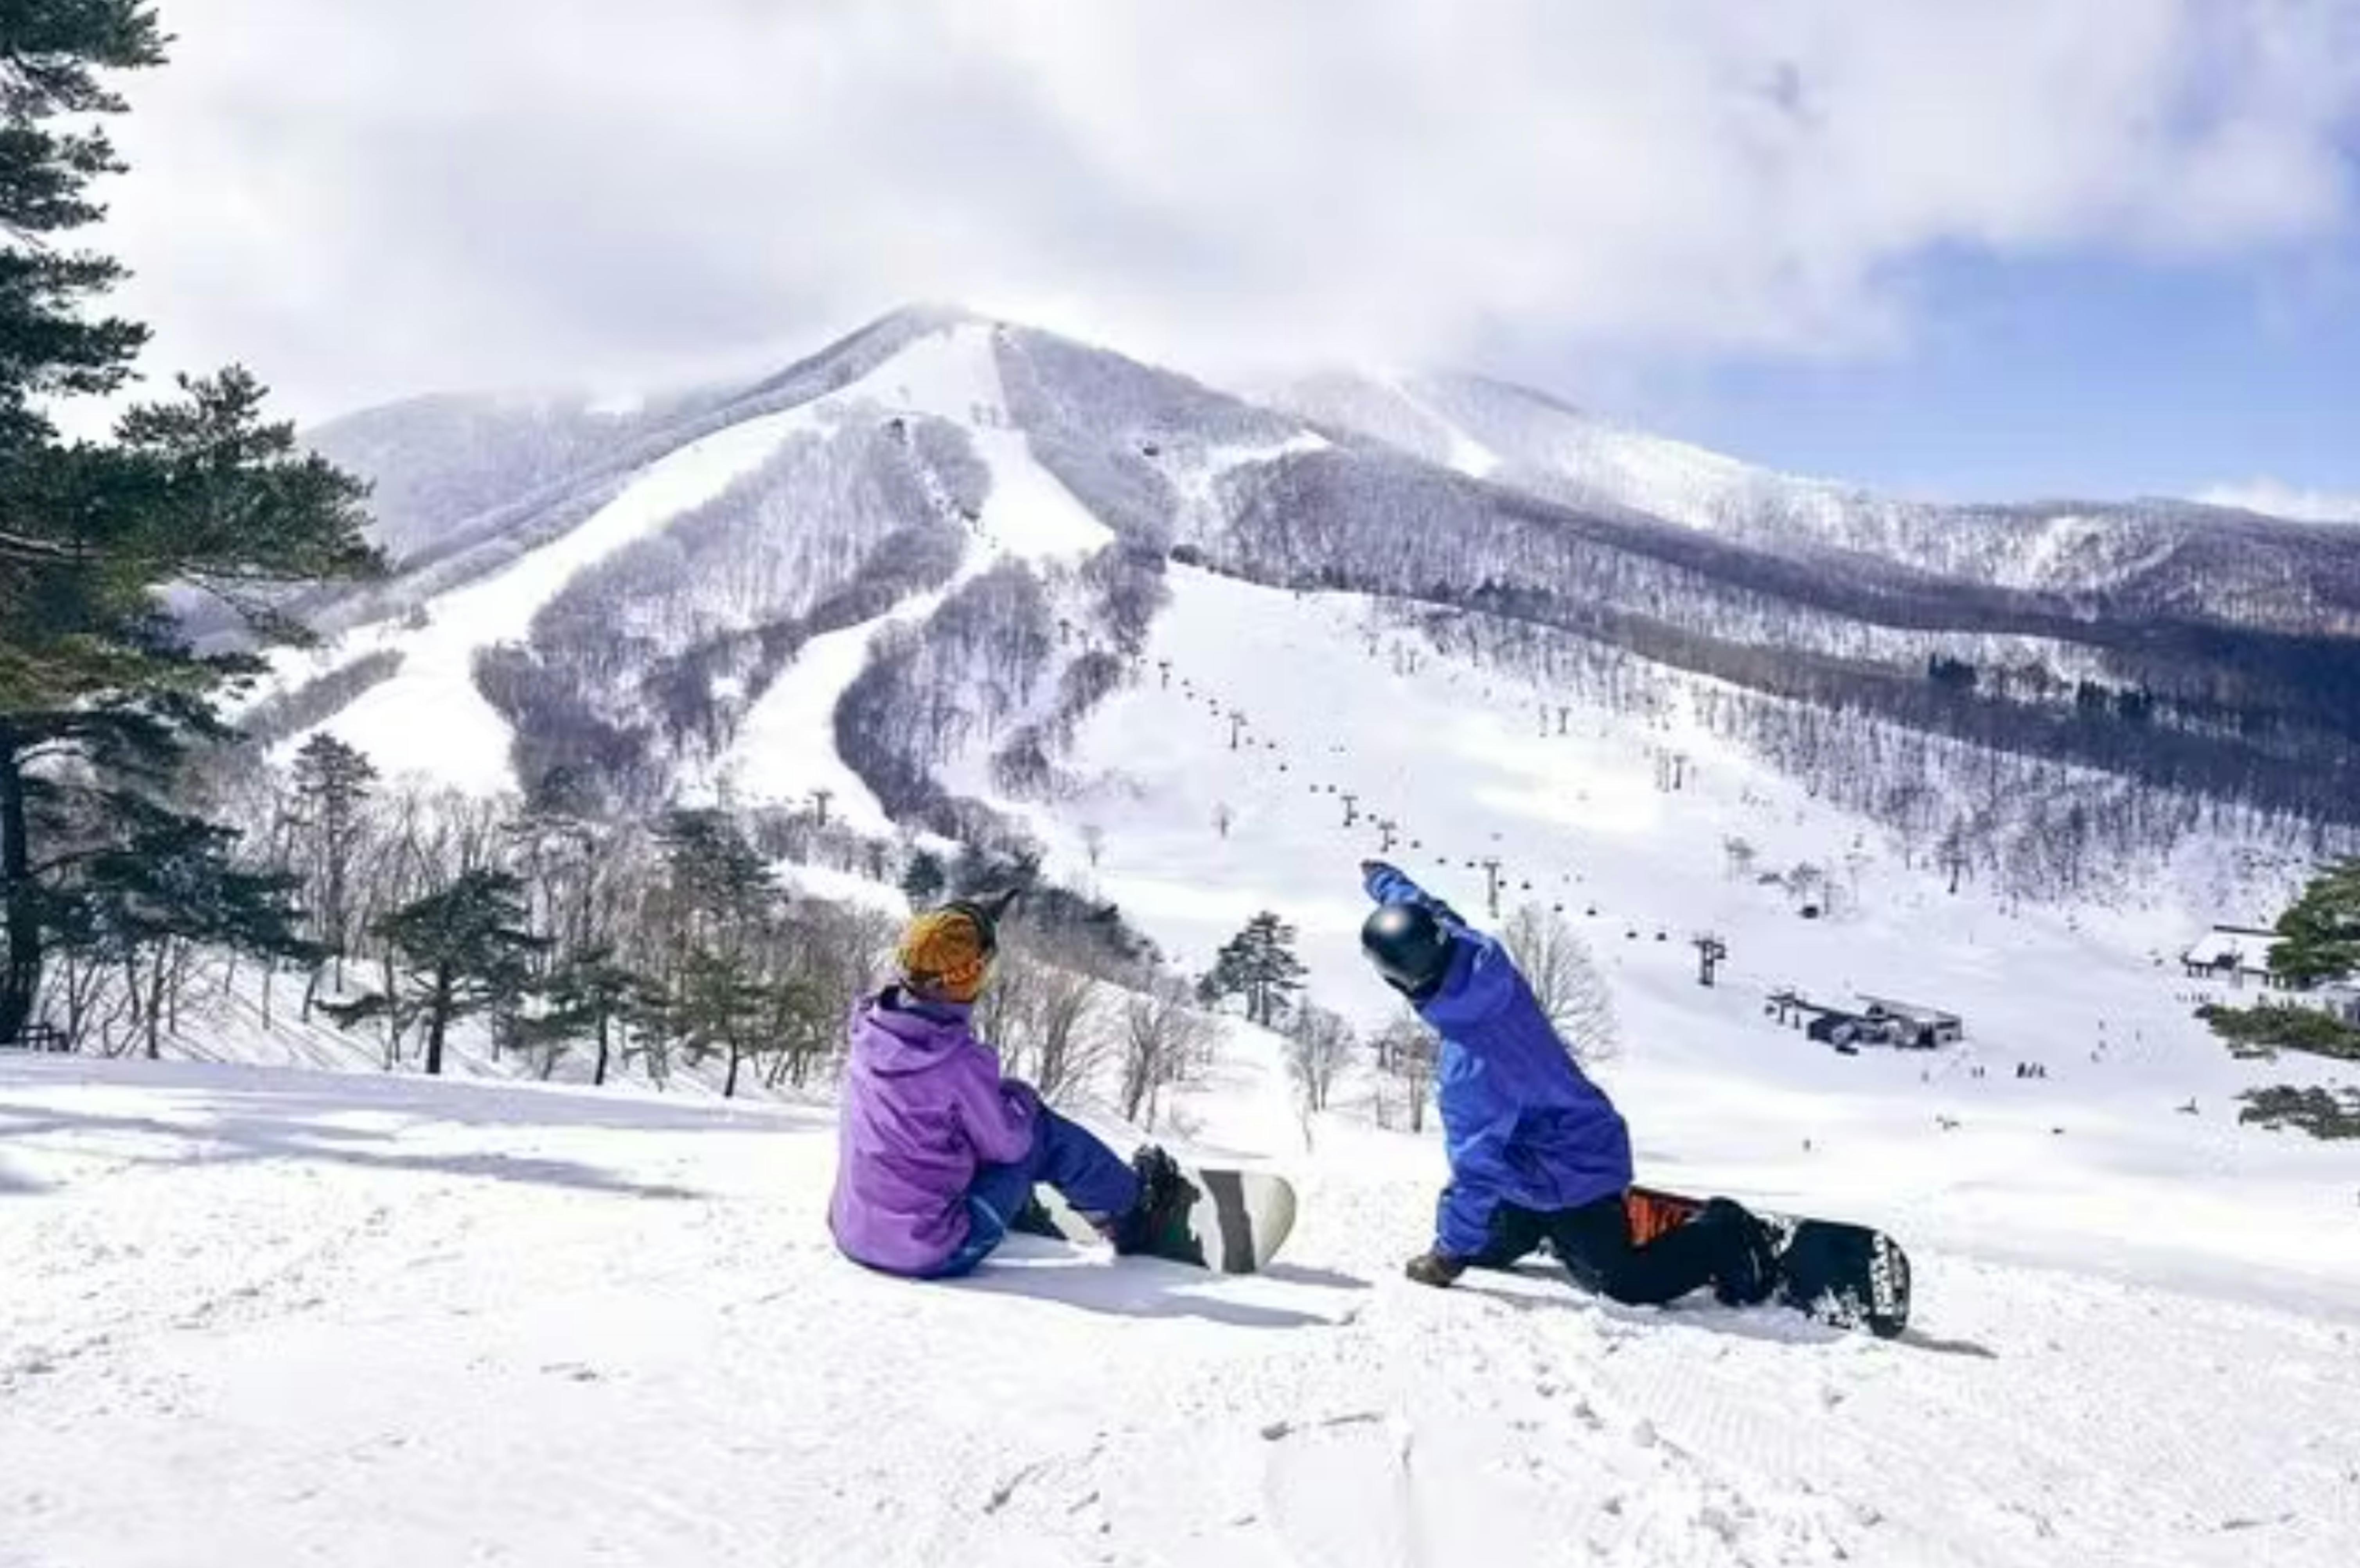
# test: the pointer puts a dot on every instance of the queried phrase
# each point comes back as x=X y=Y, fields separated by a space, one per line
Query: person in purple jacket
x=938 y=1154
x=1537 y=1152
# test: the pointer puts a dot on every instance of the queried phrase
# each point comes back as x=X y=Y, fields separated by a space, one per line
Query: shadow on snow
x=220 y=1135
x=1139 y=1287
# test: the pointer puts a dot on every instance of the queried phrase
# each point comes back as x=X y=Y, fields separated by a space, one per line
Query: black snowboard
x=1847 y=1275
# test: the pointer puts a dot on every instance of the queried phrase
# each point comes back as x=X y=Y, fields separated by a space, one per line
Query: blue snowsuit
x=1521 y=1123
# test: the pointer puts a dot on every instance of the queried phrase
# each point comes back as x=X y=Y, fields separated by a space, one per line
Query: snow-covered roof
x=1914 y=1011
x=2232 y=947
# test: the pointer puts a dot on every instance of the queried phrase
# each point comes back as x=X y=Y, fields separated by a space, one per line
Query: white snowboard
x=1237 y=1223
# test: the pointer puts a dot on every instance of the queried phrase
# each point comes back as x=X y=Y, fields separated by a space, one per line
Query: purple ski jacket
x=923 y=1105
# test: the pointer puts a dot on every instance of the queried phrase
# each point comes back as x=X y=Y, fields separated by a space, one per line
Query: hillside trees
x=147 y=906
x=590 y=992
x=464 y=948
x=558 y=930
x=100 y=694
x=2319 y=936
x=2319 y=940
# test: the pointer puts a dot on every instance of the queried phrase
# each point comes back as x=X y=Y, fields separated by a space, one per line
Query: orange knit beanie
x=945 y=954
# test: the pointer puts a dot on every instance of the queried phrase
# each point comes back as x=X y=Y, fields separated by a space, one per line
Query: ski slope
x=275 y=1317
x=785 y=749
x=429 y=721
x=2089 y=1167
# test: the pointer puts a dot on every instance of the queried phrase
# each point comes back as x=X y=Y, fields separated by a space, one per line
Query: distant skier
x=1536 y=1150
x=938 y=1154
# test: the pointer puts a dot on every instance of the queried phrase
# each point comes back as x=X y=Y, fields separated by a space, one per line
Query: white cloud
x=371 y=196
x=2281 y=500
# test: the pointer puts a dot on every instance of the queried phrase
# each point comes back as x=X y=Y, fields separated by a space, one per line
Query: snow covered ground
x=258 y=1316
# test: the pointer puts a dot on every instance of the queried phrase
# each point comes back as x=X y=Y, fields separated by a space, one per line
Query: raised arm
x=1387 y=885
x=1482 y=981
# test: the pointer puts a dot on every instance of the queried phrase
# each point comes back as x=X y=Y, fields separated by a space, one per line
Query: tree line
x=197 y=499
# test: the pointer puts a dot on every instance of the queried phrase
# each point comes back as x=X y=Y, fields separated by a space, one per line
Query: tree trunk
x=21 y=980
x=156 y=971
x=438 y=1013
x=181 y=955
x=391 y=979
x=598 y=1080
x=729 y=1088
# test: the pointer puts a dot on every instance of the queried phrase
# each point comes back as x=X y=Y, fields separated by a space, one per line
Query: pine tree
x=589 y=992
x=718 y=880
x=1258 y=963
x=924 y=879
x=170 y=887
x=332 y=780
x=100 y=690
x=467 y=949
x=2319 y=937
x=803 y=1021
x=722 y=1009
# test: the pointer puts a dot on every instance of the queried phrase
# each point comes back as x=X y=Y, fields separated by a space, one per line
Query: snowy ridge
x=1528 y=441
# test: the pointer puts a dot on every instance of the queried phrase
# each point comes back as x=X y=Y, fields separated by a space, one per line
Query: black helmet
x=1409 y=946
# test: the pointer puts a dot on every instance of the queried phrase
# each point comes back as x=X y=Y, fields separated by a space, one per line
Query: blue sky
x=2092 y=376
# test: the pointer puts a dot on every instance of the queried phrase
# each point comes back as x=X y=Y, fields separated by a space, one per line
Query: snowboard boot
x=1434 y=1269
x=1748 y=1273
x=1034 y=1219
x=1158 y=1223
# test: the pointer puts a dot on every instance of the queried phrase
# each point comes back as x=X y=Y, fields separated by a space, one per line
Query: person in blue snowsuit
x=1537 y=1151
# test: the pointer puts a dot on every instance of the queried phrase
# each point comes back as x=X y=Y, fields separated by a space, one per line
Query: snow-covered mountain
x=2169 y=555
x=946 y=533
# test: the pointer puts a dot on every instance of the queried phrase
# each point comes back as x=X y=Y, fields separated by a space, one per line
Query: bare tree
x=1565 y=981
x=1007 y=1013
x=1406 y=1053
x=1224 y=818
x=1161 y=1036
x=1742 y=856
x=1319 y=1043
x=1093 y=842
x=1068 y=1042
